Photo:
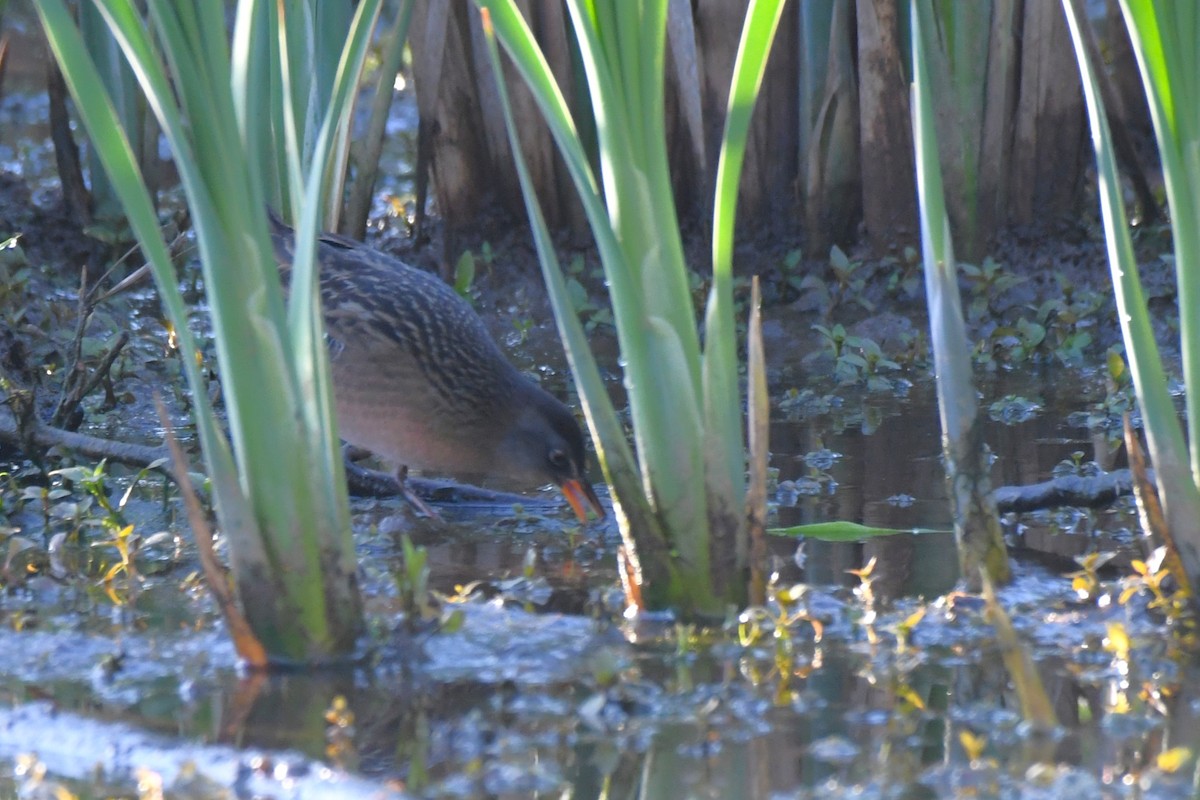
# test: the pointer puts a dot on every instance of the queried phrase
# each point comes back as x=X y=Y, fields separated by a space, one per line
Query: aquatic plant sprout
x=1166 y=40
x=280 y=488
x=680 y=501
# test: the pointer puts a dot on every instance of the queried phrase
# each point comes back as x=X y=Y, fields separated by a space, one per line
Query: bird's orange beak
x=577 y=492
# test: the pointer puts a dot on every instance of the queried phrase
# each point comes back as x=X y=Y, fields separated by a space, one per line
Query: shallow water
x=527 y=699
x=546 y=691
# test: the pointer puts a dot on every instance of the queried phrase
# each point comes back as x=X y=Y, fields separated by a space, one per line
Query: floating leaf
x=906 y=693
x=1174 y=759
x=972 y=744
x=1117 y=641
x=841 y=531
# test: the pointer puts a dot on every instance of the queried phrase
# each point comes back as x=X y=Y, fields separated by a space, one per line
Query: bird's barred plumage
x=419 y=380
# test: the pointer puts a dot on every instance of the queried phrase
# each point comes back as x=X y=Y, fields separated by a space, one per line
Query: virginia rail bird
x=419 y=381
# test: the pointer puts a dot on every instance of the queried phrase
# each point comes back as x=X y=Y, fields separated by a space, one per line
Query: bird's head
x=545 y=444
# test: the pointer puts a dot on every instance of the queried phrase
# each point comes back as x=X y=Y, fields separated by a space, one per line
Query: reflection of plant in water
x=783 y=618
x=1107 y=414
x=1085 y=582
x=802 y=404
x=865 y=594
x=817 y=480
x=1172 y=601
x=1014 y=409
x=339 y=735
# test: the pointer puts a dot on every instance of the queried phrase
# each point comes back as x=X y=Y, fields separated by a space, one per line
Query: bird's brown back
x=379 y=309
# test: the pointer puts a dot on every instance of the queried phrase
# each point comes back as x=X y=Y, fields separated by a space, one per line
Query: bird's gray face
x=545 y=444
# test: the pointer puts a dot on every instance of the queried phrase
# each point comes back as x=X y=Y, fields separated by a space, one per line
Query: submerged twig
x=98 y=375
x=38 y=435
x=1069 y=490
x=363 y=482
x=247 y=644
x=77 y=387
x=176 y=249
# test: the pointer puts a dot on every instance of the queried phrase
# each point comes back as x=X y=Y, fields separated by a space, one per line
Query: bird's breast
x=395 y=412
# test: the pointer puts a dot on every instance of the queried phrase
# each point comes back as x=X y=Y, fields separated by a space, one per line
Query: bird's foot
x=413 y=499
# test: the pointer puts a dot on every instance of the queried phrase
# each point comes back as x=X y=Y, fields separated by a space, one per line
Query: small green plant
x=872 y=366
x=857 y=359
x=1069 y=318
x=905 y=278
x=790 y=270
x=412 y=583
x=80 y=525
x=522 y=326
x=1009 y=345
x=14 y=278
x=594 y=315
x=464 y=274
x=1107 y=414
x=467 y=268
x=985 y=283
x=126 y=545
x=44 y=497
x=849 y=279
x=1174 y=602
x=1076 y=467
x=420 y=603
x=835 y=338
x=92 y=481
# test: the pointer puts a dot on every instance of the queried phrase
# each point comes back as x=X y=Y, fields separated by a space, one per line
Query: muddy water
x=891 y=476
x=526 y=699
x=544 y=688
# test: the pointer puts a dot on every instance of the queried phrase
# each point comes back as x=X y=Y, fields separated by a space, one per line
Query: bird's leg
x=411 y=496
